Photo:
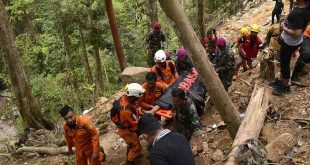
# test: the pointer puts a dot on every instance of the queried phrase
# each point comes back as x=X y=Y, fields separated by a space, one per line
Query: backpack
x=115 y=113
x=171 y=68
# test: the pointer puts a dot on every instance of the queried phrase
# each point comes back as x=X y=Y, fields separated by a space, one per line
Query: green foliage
x=39 y=28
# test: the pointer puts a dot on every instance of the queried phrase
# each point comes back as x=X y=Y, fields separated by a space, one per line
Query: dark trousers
x=304 y=57
x=286 y=52
x=277 y=14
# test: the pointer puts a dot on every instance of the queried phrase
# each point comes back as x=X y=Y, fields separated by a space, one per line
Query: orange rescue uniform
x=149 y=96
x=165 y=74
x=129 y=122
x=85 y=138
x=307 y=31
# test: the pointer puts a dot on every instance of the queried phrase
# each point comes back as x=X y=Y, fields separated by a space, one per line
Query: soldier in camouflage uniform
x=154 y=43
x=224 y=62
x=187 y=120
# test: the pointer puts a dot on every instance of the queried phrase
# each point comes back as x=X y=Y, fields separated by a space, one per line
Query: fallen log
x=44 y=150
x=279 y=146
x=252 y=123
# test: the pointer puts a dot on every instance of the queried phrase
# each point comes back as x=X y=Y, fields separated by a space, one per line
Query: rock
x=279 y=146
x=103 y=128
x=30 y=155
x=215 y=144
x=209 y=129
x=211 y=139
x=40 y=132
x=221 y=125
x=217 y=155
x=102 y=119
x=134 y=74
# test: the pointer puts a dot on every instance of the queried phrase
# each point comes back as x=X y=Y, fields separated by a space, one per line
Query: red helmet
x=157 y=25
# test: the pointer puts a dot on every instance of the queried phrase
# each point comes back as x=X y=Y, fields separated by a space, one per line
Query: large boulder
x=134 y=74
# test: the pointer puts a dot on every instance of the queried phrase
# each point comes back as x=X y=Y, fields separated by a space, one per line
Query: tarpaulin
x=191 y=83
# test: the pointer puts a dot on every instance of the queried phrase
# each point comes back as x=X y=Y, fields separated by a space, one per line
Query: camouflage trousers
x=150 y=57
x=226 y=78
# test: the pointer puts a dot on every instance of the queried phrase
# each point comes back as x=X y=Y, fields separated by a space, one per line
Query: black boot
x=296 y=80
x=281 y=89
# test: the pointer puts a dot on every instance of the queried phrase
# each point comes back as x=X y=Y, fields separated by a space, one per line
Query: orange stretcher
x=165 y=113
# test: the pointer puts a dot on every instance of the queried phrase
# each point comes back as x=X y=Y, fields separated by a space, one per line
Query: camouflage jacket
x=224 y=60
x=187 y=120
x=225 y=64
x=154 y=40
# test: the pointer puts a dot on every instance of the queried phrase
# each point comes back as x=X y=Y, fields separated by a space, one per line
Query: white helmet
x=134 y=89
x=160 y=56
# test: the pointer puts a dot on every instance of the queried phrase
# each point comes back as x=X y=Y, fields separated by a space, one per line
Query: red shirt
x=207 y=40
x=248 y=49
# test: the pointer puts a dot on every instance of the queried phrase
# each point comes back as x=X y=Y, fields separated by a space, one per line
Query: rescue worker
x=303 y=59
x=277 y=10
x=166 y=147
x=154 y=42
x=224 y=62
x=129 y=121
x=272 y=39
x=153 y=90
x=243 y=33
x=183 y=63
x=81 y=133
x=248 y=50
x=211 y=36
x=165 y=70
x=187 y=120
x=291 y=38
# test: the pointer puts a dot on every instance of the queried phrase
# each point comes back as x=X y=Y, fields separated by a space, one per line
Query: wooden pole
x=191 y=42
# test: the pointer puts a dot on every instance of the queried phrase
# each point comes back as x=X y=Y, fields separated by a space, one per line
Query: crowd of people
x=138 y=117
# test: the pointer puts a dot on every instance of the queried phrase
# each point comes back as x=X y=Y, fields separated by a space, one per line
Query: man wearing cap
x=154 y=42
x=166 y=147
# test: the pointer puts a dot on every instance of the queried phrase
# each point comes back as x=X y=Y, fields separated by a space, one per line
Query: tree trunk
x=252 y=123
x=99 y=68
x=86 y=62
x=28 y=108
x=152 y=11
x=44 y=150
x=115 y=34
x=189 y=39
x=201 y=19
x=71 y=67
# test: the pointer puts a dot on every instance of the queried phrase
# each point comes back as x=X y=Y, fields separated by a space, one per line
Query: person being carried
x=277 y=10
x=166 y=147
x=187 y=119
x=153 y=90
x=128 y=120
x=165 y=70
x=154 y=42
x=248 y=50
x=224 y=62
x=81 y=133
